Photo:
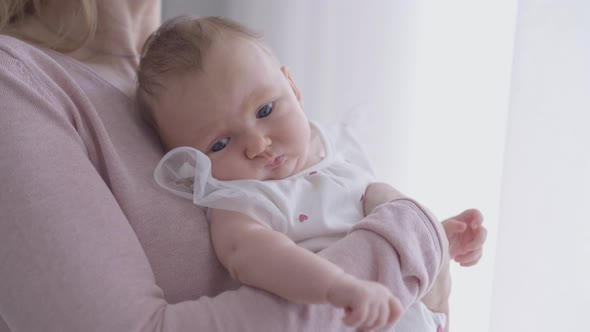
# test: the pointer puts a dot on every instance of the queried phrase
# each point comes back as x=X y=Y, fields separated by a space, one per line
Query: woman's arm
x=378 y=193
x=375 y=250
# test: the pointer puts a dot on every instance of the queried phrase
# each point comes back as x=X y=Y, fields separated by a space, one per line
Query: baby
x=277 y=187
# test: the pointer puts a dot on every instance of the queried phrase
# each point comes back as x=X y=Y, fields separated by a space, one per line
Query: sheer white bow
x=457 y=119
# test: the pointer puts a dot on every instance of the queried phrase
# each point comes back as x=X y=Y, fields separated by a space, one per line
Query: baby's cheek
x=220 y=170
x=233 y=170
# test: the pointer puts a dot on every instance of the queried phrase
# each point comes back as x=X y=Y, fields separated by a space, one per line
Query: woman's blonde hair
x=74 y=21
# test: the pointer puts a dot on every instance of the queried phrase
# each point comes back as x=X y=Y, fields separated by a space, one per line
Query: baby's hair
x=178 y=47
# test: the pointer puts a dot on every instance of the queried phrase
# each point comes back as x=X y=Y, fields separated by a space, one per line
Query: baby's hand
x=368 y=305
x=466 y=236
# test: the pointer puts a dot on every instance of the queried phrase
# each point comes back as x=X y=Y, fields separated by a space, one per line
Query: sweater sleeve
x=398 y=245
x=70 y=261
x=405 y=255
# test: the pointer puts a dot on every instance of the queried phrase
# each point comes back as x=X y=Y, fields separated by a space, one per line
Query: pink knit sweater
x=89 y=242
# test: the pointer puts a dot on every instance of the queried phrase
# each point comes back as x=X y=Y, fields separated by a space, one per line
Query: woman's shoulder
x=34 y=64
x=14 y=50
x=11 y=45
x=33 y=71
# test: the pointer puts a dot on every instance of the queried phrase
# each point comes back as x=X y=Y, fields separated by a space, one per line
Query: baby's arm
x=263 y=258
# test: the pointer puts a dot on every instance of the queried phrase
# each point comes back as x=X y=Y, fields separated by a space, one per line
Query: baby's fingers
x=388 y=313
x=470 y=258
x=472 y=217
x=383 y=316
x=373 y=316
x=453 y=226
x=355 y=316
x=479 y=237
x=395 y=311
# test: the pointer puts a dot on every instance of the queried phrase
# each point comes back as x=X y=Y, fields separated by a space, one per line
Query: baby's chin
x=234 y=177
x=290 y=167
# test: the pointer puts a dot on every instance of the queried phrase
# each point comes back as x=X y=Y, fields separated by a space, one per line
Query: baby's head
x=209 y=83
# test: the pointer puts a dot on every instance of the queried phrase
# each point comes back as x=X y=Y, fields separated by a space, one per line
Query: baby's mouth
x=276 y=162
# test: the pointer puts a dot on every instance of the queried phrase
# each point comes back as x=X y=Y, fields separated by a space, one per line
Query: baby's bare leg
x=437 y=299
x=466 y=236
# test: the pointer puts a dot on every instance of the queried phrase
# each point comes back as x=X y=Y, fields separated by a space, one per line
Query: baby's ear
x=294 y=87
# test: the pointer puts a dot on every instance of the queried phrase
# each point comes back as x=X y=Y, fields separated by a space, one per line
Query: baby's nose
x=257 y=145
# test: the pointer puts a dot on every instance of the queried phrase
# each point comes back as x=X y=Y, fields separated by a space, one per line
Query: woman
x=88 y=242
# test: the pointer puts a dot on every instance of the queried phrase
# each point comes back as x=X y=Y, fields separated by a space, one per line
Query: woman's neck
x=114 y=52
x=122 y=28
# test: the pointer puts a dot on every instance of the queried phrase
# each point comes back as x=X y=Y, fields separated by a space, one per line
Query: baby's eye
x=264 y=111
x=220 y=145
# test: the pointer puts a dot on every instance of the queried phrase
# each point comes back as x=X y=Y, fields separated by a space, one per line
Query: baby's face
x=243 y=111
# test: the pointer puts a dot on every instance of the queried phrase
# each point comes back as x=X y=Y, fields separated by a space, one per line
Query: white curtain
x=542 y=274
x=430 y=82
